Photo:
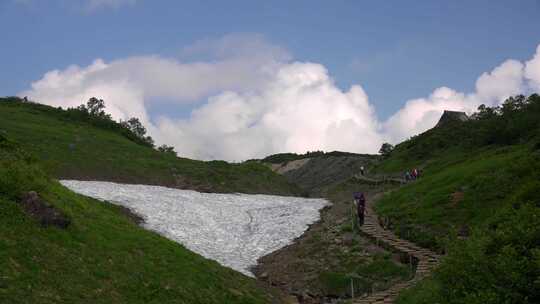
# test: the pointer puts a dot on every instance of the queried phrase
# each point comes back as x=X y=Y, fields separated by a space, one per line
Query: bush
x=499 y=264
x=18 y=171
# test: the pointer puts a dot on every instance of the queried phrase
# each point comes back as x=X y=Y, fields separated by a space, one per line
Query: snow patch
x=232 y=229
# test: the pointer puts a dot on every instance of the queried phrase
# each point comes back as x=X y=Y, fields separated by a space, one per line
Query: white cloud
x=532 y=70
x=419 y=115
x=129 y=85
x=299 y=109
x=250 y=100
x=504 y=81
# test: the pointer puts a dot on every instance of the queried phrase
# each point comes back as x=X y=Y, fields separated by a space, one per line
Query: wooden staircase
x=425 y=259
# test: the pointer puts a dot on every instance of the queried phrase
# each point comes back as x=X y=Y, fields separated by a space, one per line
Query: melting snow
x=233 y=229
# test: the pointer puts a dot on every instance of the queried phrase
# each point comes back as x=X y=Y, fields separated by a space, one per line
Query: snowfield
x=232 y=229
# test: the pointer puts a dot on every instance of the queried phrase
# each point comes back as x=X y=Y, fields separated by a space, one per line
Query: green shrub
x=17 y=177
x=499 y=264
x=19 y=172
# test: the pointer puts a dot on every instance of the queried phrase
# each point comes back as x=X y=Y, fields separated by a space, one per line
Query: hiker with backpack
x=360 y=201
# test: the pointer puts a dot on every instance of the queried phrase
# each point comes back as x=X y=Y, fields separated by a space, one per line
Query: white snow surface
x=232 y=229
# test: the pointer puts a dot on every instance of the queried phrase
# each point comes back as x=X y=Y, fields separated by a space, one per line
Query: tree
x=136 y=127
x=149 y=140
x=513 y=105
x=386 y=149
x=82 y=108
x=485 y=113
x=96 y=107
x=166 y=149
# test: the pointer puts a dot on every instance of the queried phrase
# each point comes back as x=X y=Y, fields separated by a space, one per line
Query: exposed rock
x=263 y=276
x=319 y=173
x=289 y=166
x=45 y=214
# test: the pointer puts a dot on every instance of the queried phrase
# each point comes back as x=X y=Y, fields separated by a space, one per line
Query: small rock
x=263 y=276
x=291 y=300
x=348 y=239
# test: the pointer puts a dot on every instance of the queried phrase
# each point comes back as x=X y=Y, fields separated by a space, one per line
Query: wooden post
x=352 y=217
x=352 y=288
x=411 y=262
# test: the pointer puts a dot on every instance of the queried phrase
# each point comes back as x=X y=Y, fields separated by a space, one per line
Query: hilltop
x=316 y=172
x=478 y=202
x=74 y=145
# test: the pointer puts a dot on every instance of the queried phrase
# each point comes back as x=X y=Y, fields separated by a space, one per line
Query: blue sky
x=395 y=50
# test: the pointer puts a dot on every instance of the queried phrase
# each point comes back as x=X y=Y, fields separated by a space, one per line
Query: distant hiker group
x=360 y=202
x=414 y=174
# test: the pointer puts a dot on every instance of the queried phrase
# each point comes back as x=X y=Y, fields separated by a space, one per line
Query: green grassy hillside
x=102 y=257
x=478 y=201
x=74 y=148
x=287 y=157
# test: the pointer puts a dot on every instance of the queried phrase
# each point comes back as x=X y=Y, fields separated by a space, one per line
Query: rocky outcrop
x=44 y=213
x=320 y=173
x=289 y=166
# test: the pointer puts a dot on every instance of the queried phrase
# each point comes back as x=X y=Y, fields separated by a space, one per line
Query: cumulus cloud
x=532 y=70
x=129 y=85
x=492 y=88
x=299 y=109
x=250 y=100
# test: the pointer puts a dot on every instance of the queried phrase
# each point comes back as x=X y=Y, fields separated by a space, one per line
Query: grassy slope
x=482 y=175
x=78 y=150
x=458 y=191
x=370 y=272
x=102 y=257
x=329 y=255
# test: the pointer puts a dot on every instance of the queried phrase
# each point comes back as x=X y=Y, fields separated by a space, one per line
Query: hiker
x=362 y=170
x=407 y=176
x=415 y=173
x=360 y=202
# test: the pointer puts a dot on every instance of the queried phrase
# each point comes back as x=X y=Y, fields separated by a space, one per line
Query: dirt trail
x=425 y=259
